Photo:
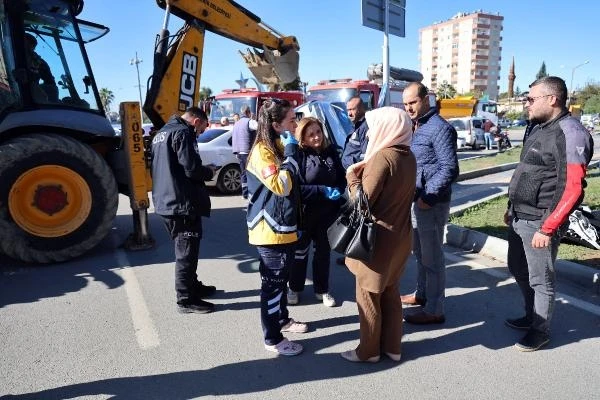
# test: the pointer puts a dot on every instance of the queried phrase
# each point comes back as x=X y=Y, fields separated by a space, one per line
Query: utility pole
x=572 y=76
x=136 y=61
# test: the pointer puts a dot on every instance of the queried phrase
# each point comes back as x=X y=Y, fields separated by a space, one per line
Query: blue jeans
x=533 y=270
x=274 y=267
x=489 y=140
x=243 y=160
x=428 y=238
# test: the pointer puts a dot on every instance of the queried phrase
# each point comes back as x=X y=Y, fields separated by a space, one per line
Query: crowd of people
x=405 y=162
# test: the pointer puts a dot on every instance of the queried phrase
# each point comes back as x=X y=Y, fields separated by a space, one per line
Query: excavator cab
x=43 y=63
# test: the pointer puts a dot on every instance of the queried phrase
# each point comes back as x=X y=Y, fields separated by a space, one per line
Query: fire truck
x=339 y=91
x=230 y=101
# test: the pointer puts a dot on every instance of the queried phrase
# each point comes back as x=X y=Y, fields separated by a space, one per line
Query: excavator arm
x=175 y=80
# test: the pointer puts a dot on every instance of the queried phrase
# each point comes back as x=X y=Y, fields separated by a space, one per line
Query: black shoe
x=201 y=290
x=523 y=323
x=198 y=307
x=532 y=341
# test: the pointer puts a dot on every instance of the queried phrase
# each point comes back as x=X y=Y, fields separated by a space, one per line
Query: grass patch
x=488 y=218
x=508 y=156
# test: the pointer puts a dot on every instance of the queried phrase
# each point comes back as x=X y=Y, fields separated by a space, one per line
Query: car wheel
x=230 y=180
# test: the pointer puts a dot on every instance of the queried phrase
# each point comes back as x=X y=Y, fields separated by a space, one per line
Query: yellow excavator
x=62 y=166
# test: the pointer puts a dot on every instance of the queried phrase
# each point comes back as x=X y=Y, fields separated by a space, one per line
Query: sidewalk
x=496 y=248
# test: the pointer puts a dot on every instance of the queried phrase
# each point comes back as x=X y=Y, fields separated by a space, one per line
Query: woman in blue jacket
x=322 y=180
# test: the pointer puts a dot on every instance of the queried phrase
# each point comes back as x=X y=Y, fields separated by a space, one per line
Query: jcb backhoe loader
x=62 y=165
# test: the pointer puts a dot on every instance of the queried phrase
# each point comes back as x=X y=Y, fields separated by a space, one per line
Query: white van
x=469 y=129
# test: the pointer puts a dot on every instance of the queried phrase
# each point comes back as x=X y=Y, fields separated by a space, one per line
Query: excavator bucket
x=271 y=66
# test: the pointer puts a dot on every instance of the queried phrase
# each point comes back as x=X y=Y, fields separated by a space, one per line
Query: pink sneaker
x=285 y=348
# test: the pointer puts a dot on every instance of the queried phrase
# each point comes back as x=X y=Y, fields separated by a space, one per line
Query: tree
x=590 y=90
x=205 y=93
x=592 y=105
x=296 y=84
x=542 y=72
x=445 y=91
x=106 y=97
x=518 y=92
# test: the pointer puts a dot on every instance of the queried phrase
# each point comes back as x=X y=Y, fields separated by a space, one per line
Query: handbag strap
x=362 y=202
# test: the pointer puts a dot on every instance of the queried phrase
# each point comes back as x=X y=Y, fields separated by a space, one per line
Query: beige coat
x=388 y=180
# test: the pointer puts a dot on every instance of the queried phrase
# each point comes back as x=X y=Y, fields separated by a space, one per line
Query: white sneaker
x=328 y=299
x=285 y=348
x=295 y=327
x=293 y=298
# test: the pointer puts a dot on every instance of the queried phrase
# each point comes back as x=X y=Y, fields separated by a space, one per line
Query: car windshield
x=477 y=123
x=337 y=96
x=210 y=134
x=226 y=107
x=458 y=125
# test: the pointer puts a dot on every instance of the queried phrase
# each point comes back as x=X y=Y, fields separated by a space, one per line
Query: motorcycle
x=502 y=140
x=583 y=228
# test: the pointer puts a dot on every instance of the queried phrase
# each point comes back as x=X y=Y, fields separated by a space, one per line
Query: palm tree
x=106 y=97
x=205 y=93
x=446 y=91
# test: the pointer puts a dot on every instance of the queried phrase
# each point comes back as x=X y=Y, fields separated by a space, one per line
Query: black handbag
x=353 y=232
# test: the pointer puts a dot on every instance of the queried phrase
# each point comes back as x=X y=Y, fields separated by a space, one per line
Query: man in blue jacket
x=180 y=198
x=434 y=147
x=356 y=142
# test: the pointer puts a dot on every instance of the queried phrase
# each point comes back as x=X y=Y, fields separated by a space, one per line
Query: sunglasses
x=531 y=100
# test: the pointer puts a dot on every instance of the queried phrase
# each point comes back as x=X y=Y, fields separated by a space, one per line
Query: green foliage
x=205 y=93
x=592 y=105
x=445 y=91
x=106 y=97
x=515 y=115
x=517 y=92
x=590 y=90
x=508 y=156
x=542 y=72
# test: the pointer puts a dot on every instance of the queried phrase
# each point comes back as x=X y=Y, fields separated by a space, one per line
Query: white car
x=214 y=146
x=470 y=129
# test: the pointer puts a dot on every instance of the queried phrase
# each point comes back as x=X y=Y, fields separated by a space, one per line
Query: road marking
x=508 y=279
x=145 y=332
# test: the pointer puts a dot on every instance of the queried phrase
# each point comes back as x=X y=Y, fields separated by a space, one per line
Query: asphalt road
x=105 y=326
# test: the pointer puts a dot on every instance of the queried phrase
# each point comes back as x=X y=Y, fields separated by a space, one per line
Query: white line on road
x=563 y=298
x=145 y=332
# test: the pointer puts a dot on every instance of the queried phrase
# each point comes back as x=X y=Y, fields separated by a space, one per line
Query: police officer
x=356 y=142
x=180 y=198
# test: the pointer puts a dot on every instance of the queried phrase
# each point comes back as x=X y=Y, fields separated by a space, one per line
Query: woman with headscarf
x=387 y=176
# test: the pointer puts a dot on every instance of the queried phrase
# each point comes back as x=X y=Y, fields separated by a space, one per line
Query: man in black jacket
x=180 y=197
x=545 y=188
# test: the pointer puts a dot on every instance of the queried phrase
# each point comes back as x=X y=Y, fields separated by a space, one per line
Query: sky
x=334 y=44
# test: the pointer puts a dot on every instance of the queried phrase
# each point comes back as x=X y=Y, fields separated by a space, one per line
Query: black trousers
x=315 y=234
x=186 y=232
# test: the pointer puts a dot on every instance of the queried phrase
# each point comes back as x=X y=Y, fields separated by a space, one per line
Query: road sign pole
x=386 y=52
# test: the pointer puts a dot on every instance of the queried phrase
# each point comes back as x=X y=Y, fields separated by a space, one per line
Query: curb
x=486 y=171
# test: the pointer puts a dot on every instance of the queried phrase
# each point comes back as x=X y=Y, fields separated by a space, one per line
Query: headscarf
x=388 y=126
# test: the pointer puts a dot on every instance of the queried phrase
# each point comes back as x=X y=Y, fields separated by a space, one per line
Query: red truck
x=230 y=101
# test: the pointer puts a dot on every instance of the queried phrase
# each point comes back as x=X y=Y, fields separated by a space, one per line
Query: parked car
x=504 y=123
x=519 y=122
x=470 y=129
x=214 y=146
x=334 y=118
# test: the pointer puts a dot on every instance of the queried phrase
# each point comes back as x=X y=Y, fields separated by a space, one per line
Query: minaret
x=511 y=79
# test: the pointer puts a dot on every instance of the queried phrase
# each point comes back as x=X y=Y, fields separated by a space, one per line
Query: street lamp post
x=572 y=75
x=136 y=61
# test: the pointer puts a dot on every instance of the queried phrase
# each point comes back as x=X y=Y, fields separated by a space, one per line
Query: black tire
x=230 y=179
x=87 y=172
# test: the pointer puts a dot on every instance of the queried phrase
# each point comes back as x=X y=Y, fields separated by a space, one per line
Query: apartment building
x=464 y=51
